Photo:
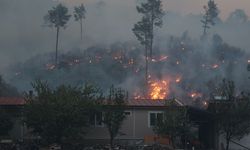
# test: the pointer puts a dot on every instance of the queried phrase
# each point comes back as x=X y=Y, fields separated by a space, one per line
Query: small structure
x=141 y=118
x=14 y=106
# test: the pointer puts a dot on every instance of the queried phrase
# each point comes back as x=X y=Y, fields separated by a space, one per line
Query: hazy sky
x=23 y=33
x=188 y=6
x=194 y=6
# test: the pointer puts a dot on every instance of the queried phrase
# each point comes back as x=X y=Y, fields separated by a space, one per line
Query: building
x=141 y=118
x=14 y=106
x=137 y=128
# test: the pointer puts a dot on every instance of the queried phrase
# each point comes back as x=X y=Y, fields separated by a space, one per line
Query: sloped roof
x=11 y=101
x=153 y=103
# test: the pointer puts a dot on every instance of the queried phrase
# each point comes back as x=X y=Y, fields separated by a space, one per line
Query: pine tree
x=152 y=14
x=211 y=12
x=58 y=17
x=79 y=14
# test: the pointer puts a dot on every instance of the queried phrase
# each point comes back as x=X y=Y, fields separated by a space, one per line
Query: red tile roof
x=11 y=101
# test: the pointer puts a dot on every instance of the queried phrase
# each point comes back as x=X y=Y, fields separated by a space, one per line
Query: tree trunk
x=172 y=140
x=81 y=27
x=152 y=32
x=205 y=26
x=57 y=36
x=151 y=43
x=228 y=142
x=146 y=69
x=111 y=142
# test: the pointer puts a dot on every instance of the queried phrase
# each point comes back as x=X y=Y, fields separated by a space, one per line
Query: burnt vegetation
x=187 y=62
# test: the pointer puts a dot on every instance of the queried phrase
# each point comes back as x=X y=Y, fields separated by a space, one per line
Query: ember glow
x=178 y=80
x=160 y=59
x=215 y=66
x=159 y=89
x=50 y=66
x=195 y=94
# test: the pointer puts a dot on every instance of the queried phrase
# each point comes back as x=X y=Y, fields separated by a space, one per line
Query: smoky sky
x=185 y=6
x=23 y=33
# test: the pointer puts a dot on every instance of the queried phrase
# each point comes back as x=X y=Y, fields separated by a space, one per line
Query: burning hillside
x=182 y=69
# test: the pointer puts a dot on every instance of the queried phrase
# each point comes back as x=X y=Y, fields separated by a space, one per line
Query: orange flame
x=159 y=89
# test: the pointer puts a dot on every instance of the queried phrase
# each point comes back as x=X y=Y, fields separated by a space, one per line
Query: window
x=95 y=119
x=154 y=118
x=127 y=113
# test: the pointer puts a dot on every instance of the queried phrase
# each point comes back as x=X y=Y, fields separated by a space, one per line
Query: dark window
x=159 y=117
x=95 y=119
x=155 y=117
x=127 y=113
x=98 y=119
x=152 y=119
x=92 y=119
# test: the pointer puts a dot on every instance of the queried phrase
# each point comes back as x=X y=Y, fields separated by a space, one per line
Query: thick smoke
x=110 y=54
x=23 y=33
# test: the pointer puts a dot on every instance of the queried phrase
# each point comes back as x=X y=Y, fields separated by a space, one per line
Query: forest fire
x=159 y=89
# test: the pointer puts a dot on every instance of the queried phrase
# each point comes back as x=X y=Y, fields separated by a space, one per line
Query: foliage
x=152 y=17
x=238 y=16
x=58 y=115
x=211 y=12
x=58 y=17
x=79 y=14
x=152 y=14
x=7 y=90
x=233 y=113
x=175 y=124
x=114 y=112
x=142 y=31
x=5 y=122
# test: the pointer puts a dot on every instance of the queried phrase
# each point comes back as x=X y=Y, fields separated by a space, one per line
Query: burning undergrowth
x=182 y=69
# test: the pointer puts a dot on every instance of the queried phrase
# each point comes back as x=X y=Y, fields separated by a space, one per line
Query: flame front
x=159 y=89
